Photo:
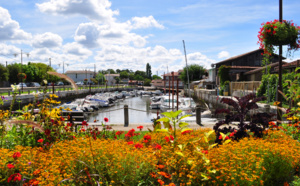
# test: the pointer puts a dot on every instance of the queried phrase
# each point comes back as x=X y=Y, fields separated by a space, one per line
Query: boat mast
x=187 y=70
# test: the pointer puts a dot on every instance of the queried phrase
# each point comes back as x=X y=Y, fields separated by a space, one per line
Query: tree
x=156 y=77
x=140 y=73
x=124 y=75
x=100 y=78
x=3 y=73
x=13 y=70
x=117 y=79
x=148 y=71
x=42 y=73
x=147 y=82
x=195 y=73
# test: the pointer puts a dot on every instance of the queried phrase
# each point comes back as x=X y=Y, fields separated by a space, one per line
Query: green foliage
x=100 y=78
x=223 y=74
x=3 y=73
x=124 y=75
x=147 y=82
x=13 y=70
x=290 y=86
x=148 y=71
x=195 y=73
x=156 y=77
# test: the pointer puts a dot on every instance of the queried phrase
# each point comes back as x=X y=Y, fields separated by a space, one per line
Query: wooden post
x=126 y=116
x=53 y=88
x=172 y=91
x=8 y=93
x=177 y=93
x=198 y=115
x=28 y=92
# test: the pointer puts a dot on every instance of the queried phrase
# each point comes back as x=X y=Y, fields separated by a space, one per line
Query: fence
x=244 y=86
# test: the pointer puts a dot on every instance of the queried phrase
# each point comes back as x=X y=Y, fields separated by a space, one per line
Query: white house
x=110 y=78
x=80 y=75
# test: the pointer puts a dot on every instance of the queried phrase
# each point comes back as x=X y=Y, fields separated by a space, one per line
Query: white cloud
x=97 y=10
x=8 y=50
x=47 y=40
x=199 y=59
x=223 y=54
x=76 y=49
x=10 y=29
x=88 y=34
x=145 y=22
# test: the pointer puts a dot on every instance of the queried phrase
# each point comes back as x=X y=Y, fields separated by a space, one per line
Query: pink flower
x=106 y=119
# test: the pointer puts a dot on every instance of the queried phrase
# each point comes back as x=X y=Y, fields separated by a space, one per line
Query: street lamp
x=21 y=54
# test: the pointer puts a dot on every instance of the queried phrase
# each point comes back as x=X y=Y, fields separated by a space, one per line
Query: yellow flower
x=298 y=103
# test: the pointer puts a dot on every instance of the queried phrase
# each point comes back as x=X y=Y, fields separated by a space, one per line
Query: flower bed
x=250 y=161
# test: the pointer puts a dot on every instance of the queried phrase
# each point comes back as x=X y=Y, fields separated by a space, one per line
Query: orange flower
x=160 y=182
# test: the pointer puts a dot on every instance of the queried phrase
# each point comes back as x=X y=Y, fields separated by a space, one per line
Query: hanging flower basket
x=275 y=33
x=85 y=80
x=22 y=76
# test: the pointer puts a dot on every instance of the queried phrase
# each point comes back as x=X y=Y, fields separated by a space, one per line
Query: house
x=135 y=82
x=243 y=63
x=169 y=78
x=157 y=83
x=110 y=78
x=81 y=75
x=290 y=67
x=256 y=74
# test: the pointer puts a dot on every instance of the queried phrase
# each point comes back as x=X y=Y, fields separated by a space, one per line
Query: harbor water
x=139 y=111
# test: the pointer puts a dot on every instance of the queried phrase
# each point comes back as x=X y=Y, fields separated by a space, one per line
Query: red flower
x=84 y=123
x=171 y=137
x=231 y=134
x=130 y=142
x=145 y=141
x=220 y=137
x=15 y=177
x=147 y=137
x=16 y=155
x=186 y=132
x=157 y=146
x=10 y=166
x=167 y=139
x=138 y=146
x=204 y=151
x=140 y=127
x=226 y=138
x=40 y=140
x=106 y=119
x=119 y=133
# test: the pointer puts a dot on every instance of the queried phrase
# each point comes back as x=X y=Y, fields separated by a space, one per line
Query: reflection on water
x=115 y=114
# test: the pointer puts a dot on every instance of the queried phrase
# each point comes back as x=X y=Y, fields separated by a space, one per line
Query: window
x=76 y=76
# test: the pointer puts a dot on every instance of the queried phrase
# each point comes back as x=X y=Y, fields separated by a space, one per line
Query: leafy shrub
x=259 y=122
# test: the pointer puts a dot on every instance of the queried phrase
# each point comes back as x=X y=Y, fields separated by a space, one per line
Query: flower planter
x=277 y=33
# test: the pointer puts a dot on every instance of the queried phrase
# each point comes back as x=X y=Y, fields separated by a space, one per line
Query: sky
x=128 y=34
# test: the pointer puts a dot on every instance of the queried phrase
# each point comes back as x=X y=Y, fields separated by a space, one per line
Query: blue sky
x=129 y=34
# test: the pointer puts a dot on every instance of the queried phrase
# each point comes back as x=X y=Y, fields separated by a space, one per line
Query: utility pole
x=22 y=64
x=49 y=62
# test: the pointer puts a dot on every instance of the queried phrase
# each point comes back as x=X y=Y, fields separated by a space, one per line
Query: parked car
x=59 y=83
x=33 y=84
x=22 y=85
x=79 y=83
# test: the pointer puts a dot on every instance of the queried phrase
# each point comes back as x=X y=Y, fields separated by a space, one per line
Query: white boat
x=155 y=102
x=167 y=103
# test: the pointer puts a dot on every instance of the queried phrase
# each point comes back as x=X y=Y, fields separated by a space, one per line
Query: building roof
x=79 y=71
x=242 y=55
x=175 y=73
x=241 y=67
x=258 y=69
x=291 y=64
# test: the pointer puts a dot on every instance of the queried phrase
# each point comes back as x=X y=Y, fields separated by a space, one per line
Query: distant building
x=243 y=63
x=110 y=78
x=81 y=75
x=169 y=78
x=157 y=83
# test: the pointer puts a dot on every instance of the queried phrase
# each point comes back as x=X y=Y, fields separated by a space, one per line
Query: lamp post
x=21 y=54
x=279 y=96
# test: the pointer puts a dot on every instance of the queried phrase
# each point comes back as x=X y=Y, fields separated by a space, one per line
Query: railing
x=244 y=86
